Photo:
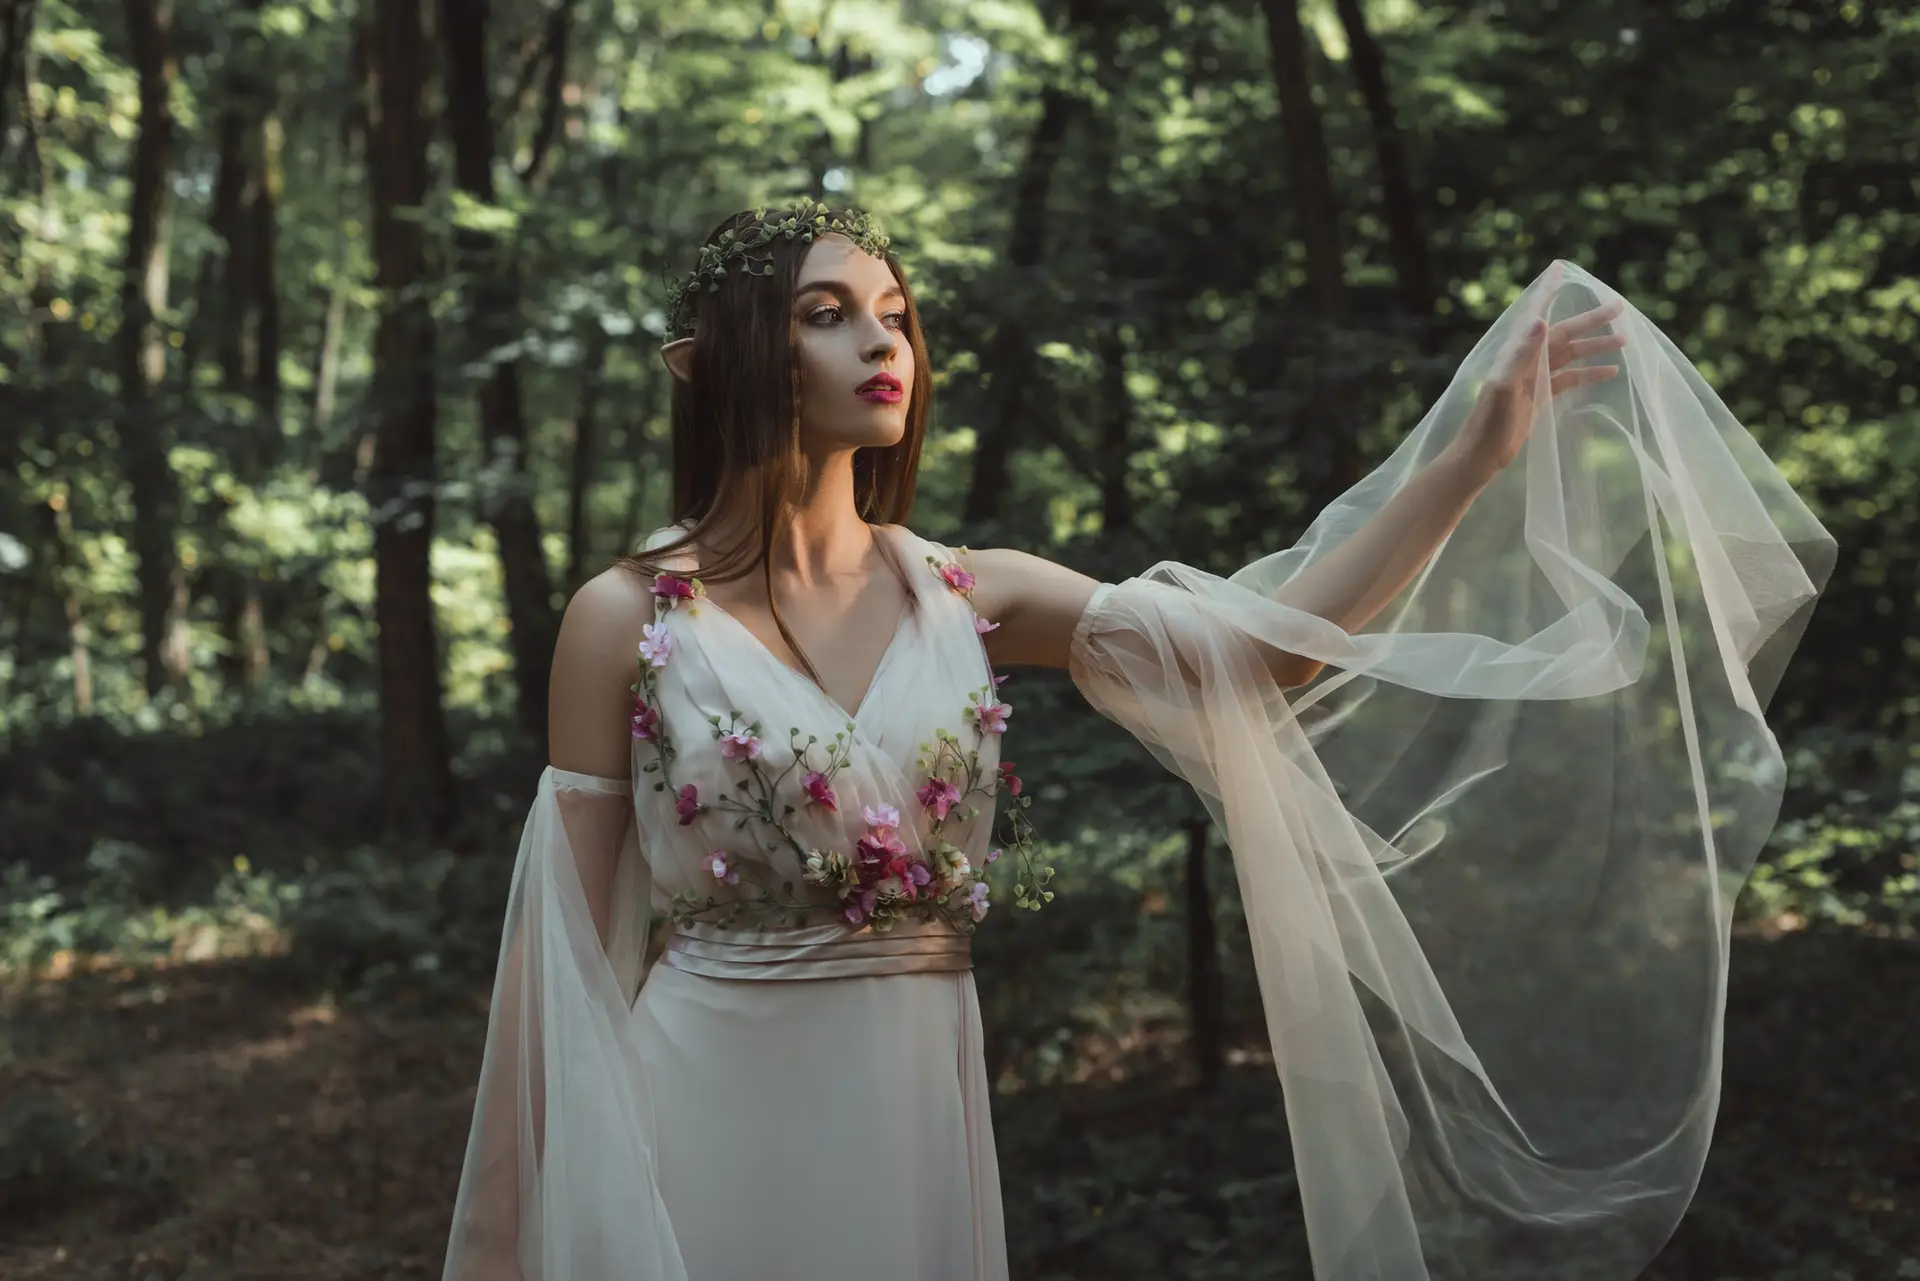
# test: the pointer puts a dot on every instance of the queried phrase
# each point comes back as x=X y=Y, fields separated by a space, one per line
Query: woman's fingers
x=1566 y=379
x=1580 y=348
x=1592 y=318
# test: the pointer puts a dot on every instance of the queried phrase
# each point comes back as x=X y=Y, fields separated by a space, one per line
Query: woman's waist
x=829 y=951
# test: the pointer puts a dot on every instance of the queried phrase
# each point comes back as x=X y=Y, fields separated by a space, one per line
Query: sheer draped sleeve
x=559 y=1182
x=1488 y=859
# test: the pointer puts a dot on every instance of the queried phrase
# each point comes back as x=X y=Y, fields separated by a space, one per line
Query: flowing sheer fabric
x=1488 y=859
x=560 y=1179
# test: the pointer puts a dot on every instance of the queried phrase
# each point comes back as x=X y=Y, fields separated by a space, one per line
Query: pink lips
x=883 y=389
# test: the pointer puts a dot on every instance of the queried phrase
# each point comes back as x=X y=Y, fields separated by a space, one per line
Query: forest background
x=327 y=370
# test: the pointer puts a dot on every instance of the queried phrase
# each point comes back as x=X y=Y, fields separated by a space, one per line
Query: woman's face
x=849 y=326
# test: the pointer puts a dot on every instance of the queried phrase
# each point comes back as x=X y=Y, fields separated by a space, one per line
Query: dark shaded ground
x=231 y=1130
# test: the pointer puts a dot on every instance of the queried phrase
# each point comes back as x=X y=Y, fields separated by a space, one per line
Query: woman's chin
x=879 y=432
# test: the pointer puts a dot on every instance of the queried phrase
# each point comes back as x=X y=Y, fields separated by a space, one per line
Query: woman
x=1487 y=848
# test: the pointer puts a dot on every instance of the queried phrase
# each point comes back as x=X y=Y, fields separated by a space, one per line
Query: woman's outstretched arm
x=1038 y=604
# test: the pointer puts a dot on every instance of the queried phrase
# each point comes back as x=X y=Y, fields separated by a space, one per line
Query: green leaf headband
x=808 y=220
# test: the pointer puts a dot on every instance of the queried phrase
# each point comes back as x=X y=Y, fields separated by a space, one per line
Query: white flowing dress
x=1488 y=863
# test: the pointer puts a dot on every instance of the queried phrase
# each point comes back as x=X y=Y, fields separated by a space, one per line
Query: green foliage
x=1847 y=853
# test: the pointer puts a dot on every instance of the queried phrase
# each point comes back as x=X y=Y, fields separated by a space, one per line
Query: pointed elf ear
x=678 y=356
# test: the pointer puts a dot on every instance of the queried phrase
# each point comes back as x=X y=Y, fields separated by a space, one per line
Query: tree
x=1010 y=358
x=1304 y=148
x=417 y=774
x=1409 y=245
x=142 y=352
x=1310 y=179
x=493 y=317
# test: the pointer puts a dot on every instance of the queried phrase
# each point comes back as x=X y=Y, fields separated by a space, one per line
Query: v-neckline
x=908 y=613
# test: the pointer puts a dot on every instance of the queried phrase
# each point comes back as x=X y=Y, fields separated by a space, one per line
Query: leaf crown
x=750 y=246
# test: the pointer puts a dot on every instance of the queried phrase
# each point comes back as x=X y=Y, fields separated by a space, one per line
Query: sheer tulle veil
x=1489 y=858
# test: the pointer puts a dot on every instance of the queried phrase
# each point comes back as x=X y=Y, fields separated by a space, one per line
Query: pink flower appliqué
x=917 y=876
x=673 y=588
x=981 y=626
x=1008 y=779
x=882 y=818
x=939 y=796
x=819 y=790
x=877 y=854
x=992 y=716
x=723 y=868
x=957 y=578
x=977 y=901
x=657 y=647
x=859 y=904
x=688 y=805
x=740 y=746
x=993 y=856
x=646 y=721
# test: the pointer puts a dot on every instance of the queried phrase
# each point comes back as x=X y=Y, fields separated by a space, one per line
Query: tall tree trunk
x=401 y=481
x=326 y=373
x=16 y=36
x=16 y=73
x=554 y=46
x=262 y=349
x=1408 y=245
x=143 y=350
x=1203 y=959
x=45 y=358
x=493 y=319
x=352 y=141
x=67 y=576
x=246 y=314
x=1010 y=359
x=1311 y=179
x=1306 y=158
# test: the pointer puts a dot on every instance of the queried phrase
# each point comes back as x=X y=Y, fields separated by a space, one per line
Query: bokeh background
x=327 y=372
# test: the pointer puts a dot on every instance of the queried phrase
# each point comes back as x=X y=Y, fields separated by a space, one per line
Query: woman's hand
x=1502 y=415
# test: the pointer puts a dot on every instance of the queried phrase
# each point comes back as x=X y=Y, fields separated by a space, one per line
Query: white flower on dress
x=657 y=646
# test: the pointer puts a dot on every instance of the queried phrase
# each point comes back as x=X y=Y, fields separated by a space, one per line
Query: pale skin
x=842 y=602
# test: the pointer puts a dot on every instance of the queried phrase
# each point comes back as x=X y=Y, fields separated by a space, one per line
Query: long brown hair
x=736 y=422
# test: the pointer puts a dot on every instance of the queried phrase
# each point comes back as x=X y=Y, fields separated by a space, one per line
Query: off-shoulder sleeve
x=559 y=1182
x=1488 y=860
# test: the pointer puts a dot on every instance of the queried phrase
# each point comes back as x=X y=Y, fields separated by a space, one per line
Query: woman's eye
x=832 y=315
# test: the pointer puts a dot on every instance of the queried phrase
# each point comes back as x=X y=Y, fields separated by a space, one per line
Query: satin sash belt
x=818 y=952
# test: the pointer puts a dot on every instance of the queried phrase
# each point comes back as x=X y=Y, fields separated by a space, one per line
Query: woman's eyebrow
x=844 y=289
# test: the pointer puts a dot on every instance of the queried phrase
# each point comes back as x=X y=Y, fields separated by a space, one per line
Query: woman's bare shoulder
x=588 y=702
x=616 y=595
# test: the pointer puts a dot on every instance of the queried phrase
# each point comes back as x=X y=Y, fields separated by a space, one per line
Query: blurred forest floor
x=236 y=1129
